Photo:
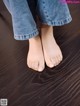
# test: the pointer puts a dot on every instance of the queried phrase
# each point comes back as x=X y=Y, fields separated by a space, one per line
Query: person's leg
x=52 y=13
x=24 y=28
x=35 y=58
x=52 y=52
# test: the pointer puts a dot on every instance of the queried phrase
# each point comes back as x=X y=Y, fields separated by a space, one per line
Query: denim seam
x=58 y=22
x=45 y=11
x=26 y=36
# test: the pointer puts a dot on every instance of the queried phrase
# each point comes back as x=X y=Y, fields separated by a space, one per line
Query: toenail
x=40 y=69
x=51 y=65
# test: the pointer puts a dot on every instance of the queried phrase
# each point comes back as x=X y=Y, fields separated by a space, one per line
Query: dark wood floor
x=59 y=86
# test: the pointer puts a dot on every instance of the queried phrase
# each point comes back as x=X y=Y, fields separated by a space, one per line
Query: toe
x=41 y=67
x=55 y=60
x=34 y=66
x=50 y=63
x=58 y=60
x=61 y=56
x=29 y=63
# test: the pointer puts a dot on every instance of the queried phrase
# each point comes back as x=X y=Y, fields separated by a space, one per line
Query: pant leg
x=32 y=5
x=24 y=26
x=53 y=12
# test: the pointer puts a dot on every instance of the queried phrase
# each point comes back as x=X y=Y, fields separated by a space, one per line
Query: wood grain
x=59 y=86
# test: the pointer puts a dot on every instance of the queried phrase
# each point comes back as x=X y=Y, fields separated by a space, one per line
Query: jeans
x=24 y=12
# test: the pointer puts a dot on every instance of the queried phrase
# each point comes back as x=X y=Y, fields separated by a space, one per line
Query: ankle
x=46 y=26
x=36 y=38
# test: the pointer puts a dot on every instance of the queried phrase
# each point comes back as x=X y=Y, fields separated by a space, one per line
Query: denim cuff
x=26 y=36
x=57 y=22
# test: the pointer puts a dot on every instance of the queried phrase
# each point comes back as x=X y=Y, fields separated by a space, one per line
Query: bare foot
x=52 y=53
x=35 y=58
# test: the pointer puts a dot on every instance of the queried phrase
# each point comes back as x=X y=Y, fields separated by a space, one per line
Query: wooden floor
x=59 y=86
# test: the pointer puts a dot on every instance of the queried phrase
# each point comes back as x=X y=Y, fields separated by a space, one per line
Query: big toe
x=34 y=66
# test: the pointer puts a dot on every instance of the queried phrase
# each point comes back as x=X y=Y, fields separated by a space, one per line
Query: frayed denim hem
x=58 y=22
x=26 y=36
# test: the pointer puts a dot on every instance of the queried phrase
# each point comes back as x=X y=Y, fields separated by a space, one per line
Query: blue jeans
x=23 y=12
